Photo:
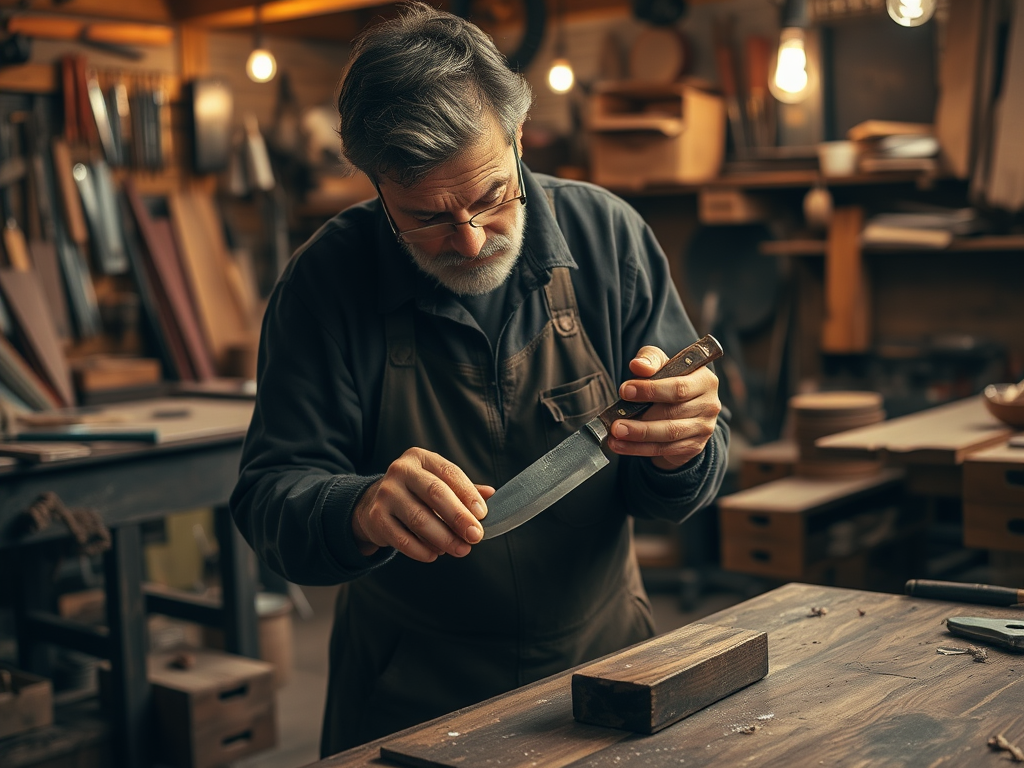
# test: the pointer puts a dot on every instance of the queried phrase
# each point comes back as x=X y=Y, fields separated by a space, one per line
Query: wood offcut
x=657 y=683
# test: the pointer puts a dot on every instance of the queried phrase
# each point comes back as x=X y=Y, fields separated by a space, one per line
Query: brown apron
x=412 y=640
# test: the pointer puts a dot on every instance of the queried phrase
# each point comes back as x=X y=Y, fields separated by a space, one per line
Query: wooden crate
x=26 y=701
x=782 y=528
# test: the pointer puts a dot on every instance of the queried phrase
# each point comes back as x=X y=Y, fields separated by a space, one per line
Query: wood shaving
x=979 y=654
x=861 y=612
x=819 y=612
x=749 y=728
x=952 y=651
x=999 y=743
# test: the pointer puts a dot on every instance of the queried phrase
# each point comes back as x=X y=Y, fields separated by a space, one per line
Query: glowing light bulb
x=261 y=66
x=560 y=76
x=910 y=13
x=789 y=83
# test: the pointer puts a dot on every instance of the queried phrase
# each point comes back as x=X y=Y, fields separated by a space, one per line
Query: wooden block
x=847 y=326
x=767 y=462
x=42 y=453
x=994 y=526
x=26 y=701
x=100 y=373
x=652 y=685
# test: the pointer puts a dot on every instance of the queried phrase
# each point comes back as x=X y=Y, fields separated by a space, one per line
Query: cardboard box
x=644 y=134
x=26 y=701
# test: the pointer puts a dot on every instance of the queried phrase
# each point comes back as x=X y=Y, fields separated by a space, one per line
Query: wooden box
x=26 y=701
x=778 y=529
x=218 y=711
x=654 y=684
x=654 y=133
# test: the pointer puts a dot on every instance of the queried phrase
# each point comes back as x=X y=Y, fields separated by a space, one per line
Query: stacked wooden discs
x=817 y=414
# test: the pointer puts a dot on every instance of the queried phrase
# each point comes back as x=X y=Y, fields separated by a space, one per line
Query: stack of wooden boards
x=817 y=414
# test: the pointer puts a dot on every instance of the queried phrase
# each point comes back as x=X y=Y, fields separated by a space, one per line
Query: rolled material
x=984 y=594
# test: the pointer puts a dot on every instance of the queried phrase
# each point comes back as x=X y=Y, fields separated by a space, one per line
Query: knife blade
x=580 y=455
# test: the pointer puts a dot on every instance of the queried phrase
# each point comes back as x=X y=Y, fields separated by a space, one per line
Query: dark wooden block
x=652 y=685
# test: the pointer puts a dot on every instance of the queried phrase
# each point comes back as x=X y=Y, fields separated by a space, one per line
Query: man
x=423 y=348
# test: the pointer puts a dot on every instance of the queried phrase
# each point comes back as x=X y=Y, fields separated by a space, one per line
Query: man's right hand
x=424 y=506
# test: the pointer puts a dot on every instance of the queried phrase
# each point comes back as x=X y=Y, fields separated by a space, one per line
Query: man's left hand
x=681 y=421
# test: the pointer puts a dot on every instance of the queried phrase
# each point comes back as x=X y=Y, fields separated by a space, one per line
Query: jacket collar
x=544 y=248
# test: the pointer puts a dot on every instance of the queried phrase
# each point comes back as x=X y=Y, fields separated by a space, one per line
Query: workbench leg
x=126 y=618
x=33 y=592
x=238 y=585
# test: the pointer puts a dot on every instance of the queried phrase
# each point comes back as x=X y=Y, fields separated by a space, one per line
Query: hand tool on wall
x=100 y=115
x=116 y=38
x=580 y=455
x=69 y=92
x=1006 y=633
x=758 y=59
x=14 y=240
x=953 y=591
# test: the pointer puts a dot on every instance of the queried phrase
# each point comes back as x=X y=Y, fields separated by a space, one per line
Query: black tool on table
x=1006 y=633
x=984 y=594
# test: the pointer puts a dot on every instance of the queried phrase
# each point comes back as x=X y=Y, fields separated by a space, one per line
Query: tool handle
x=983 y=594
x=695 y=356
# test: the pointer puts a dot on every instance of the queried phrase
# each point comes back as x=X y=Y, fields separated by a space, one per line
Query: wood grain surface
x=650 y=686
x=941 y=435
x=858 y=684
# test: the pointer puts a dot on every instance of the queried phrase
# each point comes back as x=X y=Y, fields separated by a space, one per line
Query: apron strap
x=562 y=302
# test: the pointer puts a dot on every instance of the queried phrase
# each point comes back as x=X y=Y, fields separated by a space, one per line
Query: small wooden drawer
x=778 y=528
x=994 y=526
x=995 y=476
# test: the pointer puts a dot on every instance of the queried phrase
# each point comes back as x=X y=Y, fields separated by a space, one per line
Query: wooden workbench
x=931 y=444
x=862 y=684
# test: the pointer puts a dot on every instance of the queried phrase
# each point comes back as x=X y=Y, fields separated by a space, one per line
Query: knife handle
x=695 y=356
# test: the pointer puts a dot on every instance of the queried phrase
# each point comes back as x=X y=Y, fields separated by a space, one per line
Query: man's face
x=472 y=260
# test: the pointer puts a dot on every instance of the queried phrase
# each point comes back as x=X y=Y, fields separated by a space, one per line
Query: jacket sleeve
x=298 y=484
x=653 y=313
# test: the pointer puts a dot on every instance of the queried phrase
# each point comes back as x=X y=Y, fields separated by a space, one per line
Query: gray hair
x=416 y=89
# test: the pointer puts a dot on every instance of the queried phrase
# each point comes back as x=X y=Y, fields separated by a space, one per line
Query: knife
x=580 y=455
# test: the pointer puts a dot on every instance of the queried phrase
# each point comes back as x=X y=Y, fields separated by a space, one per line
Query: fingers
x=424 y=506
x=681 y=421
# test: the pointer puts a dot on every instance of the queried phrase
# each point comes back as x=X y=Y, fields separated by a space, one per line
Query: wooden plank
x=29 y=78
x=941 y=435
x=956 y=114
x=1006 y=179
x=276 y=11
x=847 y=325
x=534 y=728
x=219 y=316
x=650 y=686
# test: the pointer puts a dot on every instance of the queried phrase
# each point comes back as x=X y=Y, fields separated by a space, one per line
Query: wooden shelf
x=986 y=244
x=794 y=179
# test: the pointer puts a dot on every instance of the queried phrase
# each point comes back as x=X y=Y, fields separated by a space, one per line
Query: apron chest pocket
x=572 y=405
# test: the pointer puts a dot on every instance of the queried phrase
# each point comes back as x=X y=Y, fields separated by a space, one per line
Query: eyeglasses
x=478 y=220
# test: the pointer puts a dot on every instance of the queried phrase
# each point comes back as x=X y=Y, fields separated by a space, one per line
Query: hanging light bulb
x=789 y=82
x=261 y=66
x=560 y=76
x=910 y=13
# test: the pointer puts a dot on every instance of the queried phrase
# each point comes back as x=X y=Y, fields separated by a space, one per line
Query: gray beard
x=457 y=273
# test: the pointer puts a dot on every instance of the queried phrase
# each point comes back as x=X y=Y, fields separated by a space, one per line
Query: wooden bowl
x=998 y=405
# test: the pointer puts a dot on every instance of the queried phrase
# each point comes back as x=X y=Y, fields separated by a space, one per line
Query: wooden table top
x=941 y=435
x=861 y=685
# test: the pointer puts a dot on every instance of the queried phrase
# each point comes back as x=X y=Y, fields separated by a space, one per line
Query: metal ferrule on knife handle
x=697 y=355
